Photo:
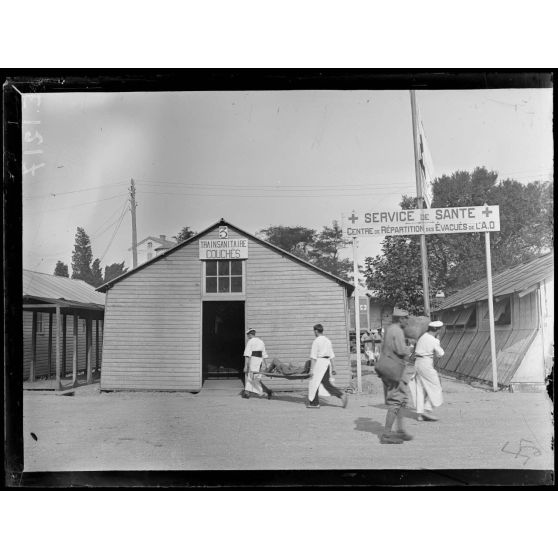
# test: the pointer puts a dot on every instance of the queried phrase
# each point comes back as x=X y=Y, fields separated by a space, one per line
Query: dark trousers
x=329 y=386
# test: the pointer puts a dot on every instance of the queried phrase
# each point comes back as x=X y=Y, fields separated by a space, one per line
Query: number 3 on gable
x=223 y=232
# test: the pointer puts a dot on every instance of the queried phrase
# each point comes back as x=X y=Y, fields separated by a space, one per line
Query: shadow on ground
x=301 y=400
x=407 y=413
x=365 y=424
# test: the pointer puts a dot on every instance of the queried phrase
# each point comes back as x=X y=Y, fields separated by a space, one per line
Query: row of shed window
x=42 y=317
x=467 y=316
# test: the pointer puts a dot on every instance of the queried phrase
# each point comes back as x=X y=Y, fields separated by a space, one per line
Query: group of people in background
x=406 y=370
x=371 y=341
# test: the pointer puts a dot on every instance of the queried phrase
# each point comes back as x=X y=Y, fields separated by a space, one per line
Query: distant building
x=373 y=314
x=150 y=247
x=524 y=327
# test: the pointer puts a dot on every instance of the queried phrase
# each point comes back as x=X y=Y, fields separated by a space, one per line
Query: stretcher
x=279 y=369
x=286 y=376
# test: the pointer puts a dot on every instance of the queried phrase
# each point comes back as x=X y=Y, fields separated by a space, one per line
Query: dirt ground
x=218 y=430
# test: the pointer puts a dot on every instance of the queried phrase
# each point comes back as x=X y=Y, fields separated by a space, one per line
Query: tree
x=325 y=252
x=114 y=270
x=396 y=274
x=184 y=234
x=320 y=249
x=96 y=273
x=82 y=257
x=456 y=260
x=526 y=223
x=61 y=269
x=296 y=240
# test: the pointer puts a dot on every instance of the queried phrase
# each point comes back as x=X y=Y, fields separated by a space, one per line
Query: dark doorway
x=223 y=339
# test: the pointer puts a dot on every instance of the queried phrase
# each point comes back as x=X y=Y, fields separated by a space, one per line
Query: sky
x=253 y=158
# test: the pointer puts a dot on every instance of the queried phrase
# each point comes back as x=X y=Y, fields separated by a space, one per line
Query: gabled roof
x=164 y=243
x=349 y=286
x=51 y=288
x=518 y=279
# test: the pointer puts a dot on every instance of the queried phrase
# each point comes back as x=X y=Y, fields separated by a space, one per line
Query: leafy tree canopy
x=96 y=273
x=82 y=257
x=184 y=234
x=320 y=249
x=296 y=240
x=114 y=270
x=61 y=269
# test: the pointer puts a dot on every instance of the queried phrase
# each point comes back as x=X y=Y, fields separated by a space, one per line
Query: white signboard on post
x=226 y=249
x=439 y=220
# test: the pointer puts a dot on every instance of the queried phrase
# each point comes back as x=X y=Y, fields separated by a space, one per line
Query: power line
x=121 y=218
x=102 y=227
x=77 y=205
x=291 y=188
x=118 y=184
x=270 y=186
x=286 y=195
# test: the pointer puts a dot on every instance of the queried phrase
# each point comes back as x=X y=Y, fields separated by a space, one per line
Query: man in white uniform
x=322 y=357
x=425 y=387
x=254 y=358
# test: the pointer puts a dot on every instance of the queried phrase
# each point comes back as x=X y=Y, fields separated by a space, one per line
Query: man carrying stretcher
x=322 y=364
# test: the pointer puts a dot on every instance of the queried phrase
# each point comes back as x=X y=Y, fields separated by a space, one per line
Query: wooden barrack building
x=53 y=345
x=180 y=318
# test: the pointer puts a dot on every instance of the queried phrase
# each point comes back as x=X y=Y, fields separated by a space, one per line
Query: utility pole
x=357 y=315
x=134 y=234
x=421 y=204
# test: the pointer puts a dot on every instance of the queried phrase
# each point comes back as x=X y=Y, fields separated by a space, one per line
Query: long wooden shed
x=180 y=318
x=524 y=327
x=53 y=345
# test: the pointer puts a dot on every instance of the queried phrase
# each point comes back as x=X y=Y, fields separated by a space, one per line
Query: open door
x=223 y=339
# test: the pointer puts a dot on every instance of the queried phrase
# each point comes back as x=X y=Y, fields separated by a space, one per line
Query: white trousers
x=315 y=383
x=253 y=383
x=425 y=387
x=252 y=380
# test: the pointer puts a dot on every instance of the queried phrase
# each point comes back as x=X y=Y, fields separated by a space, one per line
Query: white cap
x=250 y=330
x=436 y=324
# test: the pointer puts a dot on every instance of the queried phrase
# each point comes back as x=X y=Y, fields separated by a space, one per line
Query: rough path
x=216 y=429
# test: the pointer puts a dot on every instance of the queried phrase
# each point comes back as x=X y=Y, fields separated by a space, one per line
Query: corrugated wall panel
x=483 y=365
x=510 y=355
x=470 y=356
x=461 y=346
x=448 y=342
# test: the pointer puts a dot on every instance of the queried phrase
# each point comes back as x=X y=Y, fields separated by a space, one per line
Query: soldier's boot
x=389 y=437
x=401 y=432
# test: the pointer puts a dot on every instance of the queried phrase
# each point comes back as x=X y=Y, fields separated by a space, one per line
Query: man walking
x=390 y=368
x=254 y=358
x=322 y=357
